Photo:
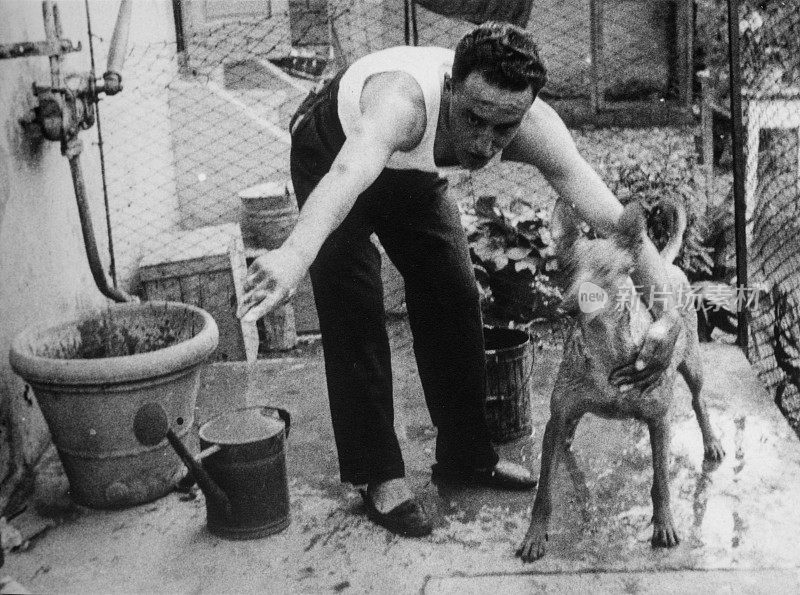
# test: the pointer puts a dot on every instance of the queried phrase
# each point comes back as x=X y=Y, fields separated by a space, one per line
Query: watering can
x=241 y=468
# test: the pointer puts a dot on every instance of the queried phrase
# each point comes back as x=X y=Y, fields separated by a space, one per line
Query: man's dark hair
x=505 y=54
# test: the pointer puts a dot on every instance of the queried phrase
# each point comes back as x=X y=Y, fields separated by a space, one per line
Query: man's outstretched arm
x=544 y=142
x=393 y=118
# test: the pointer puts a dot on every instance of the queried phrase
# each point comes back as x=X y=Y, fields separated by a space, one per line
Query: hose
x=92 y=254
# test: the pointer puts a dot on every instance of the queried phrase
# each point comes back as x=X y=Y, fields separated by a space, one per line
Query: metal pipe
x=112 y=265
x=177 y=15
x=92 y=255
x=740 y=207
x=49 y=16
x=406 y=21
x=414 y=32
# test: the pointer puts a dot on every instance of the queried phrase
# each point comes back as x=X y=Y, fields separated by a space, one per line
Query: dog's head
x=597 y=270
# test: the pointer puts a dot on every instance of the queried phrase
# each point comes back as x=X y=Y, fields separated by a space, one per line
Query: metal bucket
x=250 y=468
x=268 y=215
x=509 y=364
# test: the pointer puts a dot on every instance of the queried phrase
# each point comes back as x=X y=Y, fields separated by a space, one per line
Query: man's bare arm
x=390 y=122
x=393 y=118
x=544 y=142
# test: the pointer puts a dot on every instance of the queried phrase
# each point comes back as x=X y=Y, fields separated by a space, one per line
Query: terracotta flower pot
x=91 y=375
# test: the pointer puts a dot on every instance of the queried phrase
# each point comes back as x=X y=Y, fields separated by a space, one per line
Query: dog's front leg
x=533 y=546
x=664 y=534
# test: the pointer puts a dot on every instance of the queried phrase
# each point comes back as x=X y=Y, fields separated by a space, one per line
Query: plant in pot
x=91 y=375
x=513 y=258
x=514 y=262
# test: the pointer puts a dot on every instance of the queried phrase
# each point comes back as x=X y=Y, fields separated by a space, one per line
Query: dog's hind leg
x=692 y=372
x=664 y=534
x=553 y=447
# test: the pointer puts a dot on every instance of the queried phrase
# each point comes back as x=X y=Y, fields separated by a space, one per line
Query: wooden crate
x=204 y=267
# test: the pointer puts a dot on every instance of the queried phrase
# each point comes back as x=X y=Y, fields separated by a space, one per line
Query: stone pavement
x=739 y=522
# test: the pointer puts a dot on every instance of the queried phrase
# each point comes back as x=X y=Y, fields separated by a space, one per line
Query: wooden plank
x=195 y=266
x=219 y=300
x=164 y=289
x=191 y=290
x=238 y=267
x=279 y=329
x=305 y=308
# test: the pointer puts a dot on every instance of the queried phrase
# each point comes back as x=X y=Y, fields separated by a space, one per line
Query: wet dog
x=605 y=338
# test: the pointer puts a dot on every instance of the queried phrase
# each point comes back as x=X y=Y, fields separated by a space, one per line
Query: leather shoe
x=499 y=476
x=407 y=518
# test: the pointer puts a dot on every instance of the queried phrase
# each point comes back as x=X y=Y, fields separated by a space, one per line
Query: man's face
x=484 y=118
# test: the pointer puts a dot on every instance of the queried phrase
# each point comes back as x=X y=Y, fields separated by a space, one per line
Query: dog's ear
x=668 y=218
x=565 y=232
x=632 y=227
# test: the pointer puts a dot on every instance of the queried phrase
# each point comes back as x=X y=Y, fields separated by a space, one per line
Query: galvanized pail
x=250 y=468
x=509 y=364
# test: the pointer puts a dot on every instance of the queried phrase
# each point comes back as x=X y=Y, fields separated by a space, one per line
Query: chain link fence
x=770 y=42
x=769 y=46
x=197 y=145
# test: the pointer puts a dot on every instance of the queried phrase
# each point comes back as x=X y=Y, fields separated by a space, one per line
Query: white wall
x=44 y=275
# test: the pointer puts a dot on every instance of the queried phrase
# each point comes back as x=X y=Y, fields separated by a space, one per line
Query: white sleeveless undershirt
x=428 y=66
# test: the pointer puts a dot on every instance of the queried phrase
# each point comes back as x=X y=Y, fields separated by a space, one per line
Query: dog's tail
x=672 y=216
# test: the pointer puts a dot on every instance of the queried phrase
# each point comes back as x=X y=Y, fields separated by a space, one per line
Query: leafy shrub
x=511 y=247
x=514 y=262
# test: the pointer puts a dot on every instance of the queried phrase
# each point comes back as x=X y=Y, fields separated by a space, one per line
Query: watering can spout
x=151 y=426
x=245 y=481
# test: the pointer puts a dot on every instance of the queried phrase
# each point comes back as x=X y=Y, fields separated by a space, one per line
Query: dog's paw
x=664 y=535
x=714 y=451
x=532 y=547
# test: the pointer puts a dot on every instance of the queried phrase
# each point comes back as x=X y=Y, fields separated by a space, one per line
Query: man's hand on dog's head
x=654 y=357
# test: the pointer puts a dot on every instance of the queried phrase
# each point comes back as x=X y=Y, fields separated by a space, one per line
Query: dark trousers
x=420 y=229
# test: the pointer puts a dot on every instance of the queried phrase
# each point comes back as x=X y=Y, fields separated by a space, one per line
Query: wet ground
x=739 y=522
